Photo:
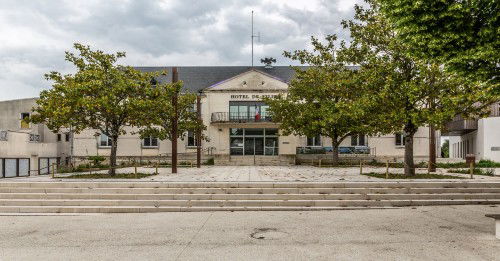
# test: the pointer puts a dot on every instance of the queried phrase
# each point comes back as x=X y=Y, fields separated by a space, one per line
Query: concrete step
x=102 y=209
x=70 y=196
x=242 y=203
x=249 y=190
x=153 y=184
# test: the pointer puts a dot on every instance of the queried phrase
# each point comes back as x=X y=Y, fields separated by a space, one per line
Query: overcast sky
x=35 y=34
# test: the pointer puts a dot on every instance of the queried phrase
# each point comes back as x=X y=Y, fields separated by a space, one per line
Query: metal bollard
x=319 y=164
x=53 y=169
x=135 y=170
x=360 y=167
x=471 y=165
x=387 y=169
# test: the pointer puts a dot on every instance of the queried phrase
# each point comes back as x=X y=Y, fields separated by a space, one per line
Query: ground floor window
x=314 y=141
x=104 y=141
x=358 y=140
x=400 y=139
x=191 y=139
x=149 y=142
x=253 y=141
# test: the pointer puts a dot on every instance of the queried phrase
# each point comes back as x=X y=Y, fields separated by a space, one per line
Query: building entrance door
x=254 y=146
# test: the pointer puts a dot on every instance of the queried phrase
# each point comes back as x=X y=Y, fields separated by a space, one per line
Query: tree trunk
x=409 y=164
x=335 y=152
x=432 y=149
x=112 y=157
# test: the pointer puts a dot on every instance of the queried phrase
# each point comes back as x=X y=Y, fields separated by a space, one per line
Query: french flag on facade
x=257 y=114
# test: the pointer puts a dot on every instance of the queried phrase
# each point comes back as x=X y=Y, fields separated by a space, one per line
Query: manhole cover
x=267 y=233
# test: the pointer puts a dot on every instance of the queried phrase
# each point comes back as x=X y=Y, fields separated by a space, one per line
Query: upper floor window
x=150 y=142
x=248 y=111
x=58 y=137
x=104 y=141
x=314 y=141
x=191 y=139
x=400 y=139
x=66 y=137
x=25 y=116
x=358 y=140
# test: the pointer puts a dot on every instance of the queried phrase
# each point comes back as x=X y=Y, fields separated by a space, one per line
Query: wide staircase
x=137 y=196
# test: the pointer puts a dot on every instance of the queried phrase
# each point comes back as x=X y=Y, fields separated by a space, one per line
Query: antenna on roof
x=254 y=36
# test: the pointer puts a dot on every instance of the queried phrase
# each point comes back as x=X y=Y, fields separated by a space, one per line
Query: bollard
x=53 y=169
x=135 y=170
x=312 y=162
x=319 y=164
x=387 y=169
x=360 y=167
x=471 y=170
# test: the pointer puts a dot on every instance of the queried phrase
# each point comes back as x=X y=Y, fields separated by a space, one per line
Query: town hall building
x=240 y=129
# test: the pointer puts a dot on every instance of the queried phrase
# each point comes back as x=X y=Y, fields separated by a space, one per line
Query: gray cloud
x=163 y=32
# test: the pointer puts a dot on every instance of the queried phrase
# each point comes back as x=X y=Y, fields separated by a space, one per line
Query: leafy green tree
x=323 y=99
x=156 y=112
x=462 y=34
x=101 y=95
x=407 y=92
x=445 y=149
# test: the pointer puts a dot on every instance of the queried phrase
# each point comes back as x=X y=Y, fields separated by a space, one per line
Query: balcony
x=226 y=117
x=460 y=126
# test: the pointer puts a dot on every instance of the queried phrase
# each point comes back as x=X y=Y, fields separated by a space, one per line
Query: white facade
x=228 y=109
x=484 y=142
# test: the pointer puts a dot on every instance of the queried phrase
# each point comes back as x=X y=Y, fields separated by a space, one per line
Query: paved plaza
x=266 y=173
x=422 y=233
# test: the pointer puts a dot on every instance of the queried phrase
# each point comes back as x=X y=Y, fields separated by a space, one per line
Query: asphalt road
x=423 y=233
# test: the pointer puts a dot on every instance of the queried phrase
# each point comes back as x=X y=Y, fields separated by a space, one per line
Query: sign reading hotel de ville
x=252 y=96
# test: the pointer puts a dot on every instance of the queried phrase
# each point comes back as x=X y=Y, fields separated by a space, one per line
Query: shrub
x=96 y=160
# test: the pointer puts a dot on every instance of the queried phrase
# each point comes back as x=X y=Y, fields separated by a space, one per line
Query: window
x=314 y=141
x=358 y=140
x=104 y=141
x=400 y=139
x=191 y=140
x=25 y=116
x=66 y=137
x=58 y=137
x=150 y=142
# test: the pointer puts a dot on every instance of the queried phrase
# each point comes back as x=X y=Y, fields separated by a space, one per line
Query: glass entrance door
x=254 y=146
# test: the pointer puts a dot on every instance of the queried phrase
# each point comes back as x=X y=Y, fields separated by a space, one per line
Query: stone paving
x=265 y=173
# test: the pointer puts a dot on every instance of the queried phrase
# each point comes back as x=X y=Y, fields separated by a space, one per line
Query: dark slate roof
x=197 y=78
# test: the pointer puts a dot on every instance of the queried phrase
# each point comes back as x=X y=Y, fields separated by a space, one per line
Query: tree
x=463 y=35
x=445 y=149
x=323 y=99
x=408 y=92
x=101 y=95
x=156 y=111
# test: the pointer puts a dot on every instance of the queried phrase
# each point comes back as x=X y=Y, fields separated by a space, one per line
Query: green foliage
x=96 y=160
x=323 y=99
x=445 y=149
x=476 y=171
x=479 y=164
x=101 y=95
x=155 y=112
x=106 y=176
x=210 y=161
x=464 y=35
x=405 y=92
x=417 y=176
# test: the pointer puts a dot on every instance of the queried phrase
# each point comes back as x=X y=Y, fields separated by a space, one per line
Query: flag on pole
x=257 y=113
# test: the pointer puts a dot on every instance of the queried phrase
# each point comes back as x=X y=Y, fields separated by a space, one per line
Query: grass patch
x=479 y=164
x=477 y=171
x=107 y=176
x=417 y=176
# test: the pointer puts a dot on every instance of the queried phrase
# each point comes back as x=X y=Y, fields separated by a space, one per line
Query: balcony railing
x=460 y=126
x=34 y=138
x=3 y=135
x=221 y=117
